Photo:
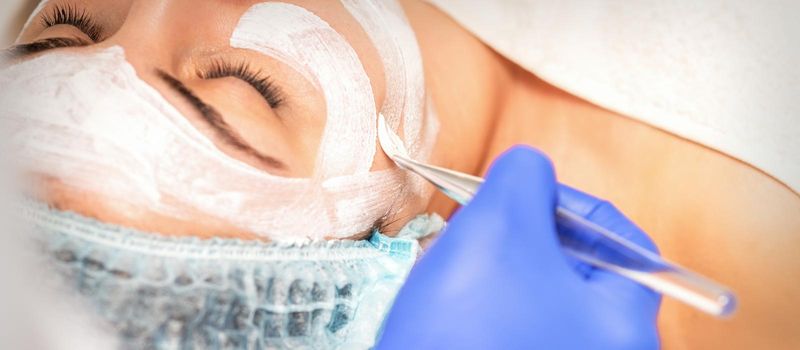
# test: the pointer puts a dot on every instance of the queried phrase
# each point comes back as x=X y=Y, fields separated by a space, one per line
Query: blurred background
x=13 y=14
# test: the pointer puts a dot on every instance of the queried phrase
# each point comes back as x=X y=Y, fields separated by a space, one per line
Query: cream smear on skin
x=308 y=44
x=73 y=117
x=404 y=107
x=89 y=121
x=407 y=107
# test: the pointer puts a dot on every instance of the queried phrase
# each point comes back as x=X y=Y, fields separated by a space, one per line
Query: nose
x=147 y=36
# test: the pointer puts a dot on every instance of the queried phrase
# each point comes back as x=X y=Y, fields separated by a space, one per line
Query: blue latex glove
x=498 y=279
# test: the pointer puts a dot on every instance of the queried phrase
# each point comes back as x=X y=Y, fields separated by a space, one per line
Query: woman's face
x=254 y=107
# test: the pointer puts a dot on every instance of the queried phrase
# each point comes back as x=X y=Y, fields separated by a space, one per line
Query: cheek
x=381 y=161
x=111 y=210
x=306 y=127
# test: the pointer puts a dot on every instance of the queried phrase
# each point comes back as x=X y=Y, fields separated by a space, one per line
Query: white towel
x=725 y=74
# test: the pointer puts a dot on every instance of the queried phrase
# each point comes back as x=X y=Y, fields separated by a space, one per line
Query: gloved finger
x=604 y=214
x=520 y=189
x=498 y=231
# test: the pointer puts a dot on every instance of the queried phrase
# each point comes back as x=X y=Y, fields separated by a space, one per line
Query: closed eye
x=69 y=15
x=59 y=15
x=263 y=84
x=43 y=45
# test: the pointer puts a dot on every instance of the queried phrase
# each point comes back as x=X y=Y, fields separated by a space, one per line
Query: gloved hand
x=497 y=278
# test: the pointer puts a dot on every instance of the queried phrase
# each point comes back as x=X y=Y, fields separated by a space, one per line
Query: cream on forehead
x=307 y=43
x=89 y=121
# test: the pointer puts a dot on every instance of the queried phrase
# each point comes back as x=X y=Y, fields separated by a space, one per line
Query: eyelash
x=69 y=15
x=42 y=45
x=264 y=86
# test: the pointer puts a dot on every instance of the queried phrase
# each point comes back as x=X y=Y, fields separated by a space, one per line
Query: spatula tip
x=390 y=142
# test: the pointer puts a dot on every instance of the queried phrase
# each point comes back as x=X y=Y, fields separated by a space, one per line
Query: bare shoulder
x=731 y=221
x=705 y=210
x=728 y=220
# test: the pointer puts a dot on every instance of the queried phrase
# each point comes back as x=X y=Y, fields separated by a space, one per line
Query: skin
x=704 y=209
x=163 y=36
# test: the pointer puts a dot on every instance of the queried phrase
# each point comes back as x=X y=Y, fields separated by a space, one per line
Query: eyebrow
x=215 y=120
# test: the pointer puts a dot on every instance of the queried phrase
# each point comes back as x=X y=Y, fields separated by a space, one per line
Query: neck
x=487 y=104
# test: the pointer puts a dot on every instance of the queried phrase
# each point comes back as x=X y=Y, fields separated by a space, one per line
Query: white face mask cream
x=89 y=121
x=308 y=44
x=406 y=108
